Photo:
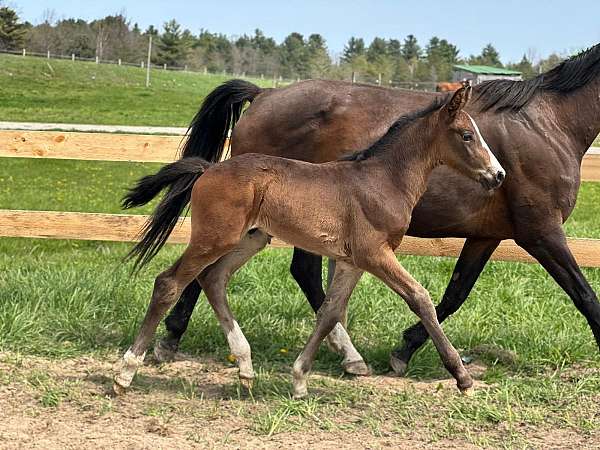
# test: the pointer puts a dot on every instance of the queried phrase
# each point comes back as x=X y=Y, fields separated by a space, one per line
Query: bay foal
x=354 y=211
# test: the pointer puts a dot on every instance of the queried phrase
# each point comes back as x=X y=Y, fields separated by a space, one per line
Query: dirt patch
x=194 y=403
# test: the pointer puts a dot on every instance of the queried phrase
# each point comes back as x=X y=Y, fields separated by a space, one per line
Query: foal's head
x=461 y=144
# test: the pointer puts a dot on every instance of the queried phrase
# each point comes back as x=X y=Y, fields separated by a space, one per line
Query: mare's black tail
x=219 y=112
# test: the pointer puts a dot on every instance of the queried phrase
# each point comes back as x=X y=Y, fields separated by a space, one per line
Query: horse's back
x=319 y=121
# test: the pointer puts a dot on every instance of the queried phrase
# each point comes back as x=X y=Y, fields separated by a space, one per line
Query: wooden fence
x=153 y=148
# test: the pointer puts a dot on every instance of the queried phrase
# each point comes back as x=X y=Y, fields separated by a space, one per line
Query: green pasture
x=48 y=90
x=62 y=299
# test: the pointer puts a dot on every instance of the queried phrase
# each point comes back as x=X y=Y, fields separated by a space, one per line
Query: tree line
x=385 y=60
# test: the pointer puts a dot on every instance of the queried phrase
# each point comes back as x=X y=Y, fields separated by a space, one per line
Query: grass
x=41 y=90
x=64 y=299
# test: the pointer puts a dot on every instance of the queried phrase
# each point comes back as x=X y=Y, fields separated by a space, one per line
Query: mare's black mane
x=568 y=76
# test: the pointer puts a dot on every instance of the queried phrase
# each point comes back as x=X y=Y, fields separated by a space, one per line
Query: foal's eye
x=467 y=137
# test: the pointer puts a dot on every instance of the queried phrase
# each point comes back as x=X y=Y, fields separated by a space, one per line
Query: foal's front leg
x=386 y=267
x=330 y=313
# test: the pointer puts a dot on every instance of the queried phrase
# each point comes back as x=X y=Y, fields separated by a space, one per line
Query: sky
x=515 y=27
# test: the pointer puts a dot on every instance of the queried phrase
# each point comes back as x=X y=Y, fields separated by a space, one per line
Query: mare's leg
x=306 y=270
x=386 y=267
x=167 y=288
x=214 y=280
x=553 y=253
x=331 y=312
x=473 y=258
x=176 y=322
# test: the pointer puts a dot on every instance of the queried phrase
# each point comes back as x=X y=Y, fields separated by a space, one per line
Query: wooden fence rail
x=134 y=147
x=158 y=148
x=124 y=228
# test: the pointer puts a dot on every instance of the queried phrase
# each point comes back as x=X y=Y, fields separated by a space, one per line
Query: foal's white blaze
x=493 y=160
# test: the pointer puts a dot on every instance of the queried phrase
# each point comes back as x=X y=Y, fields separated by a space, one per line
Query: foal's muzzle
x=492 y=179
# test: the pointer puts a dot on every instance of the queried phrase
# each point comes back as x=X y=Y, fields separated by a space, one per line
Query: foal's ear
x=459 y=100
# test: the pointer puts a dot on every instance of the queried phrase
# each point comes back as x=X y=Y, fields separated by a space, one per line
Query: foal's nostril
x=500 y=176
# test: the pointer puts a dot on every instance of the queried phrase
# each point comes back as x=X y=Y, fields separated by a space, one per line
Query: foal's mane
x=395 y=131
x=568 y=76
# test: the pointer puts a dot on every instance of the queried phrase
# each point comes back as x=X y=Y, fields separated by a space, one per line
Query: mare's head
x=461 y=144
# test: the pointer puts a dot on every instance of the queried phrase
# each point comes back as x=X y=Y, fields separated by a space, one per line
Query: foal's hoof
x=398 y=366
x=300 y=393
x=164 y=352
x=118 y=389
x=358 y=368
x=247 y=383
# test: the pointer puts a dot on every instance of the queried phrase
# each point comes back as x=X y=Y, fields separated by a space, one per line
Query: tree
x=411 y=49
x=525 y=67
x=172 y=45
x=441 y=55
x=294 y=57
x=377 y=50
x=354 y=48
x=12 y=32
x=394 y=49
x=489 y=57
x=319 y=61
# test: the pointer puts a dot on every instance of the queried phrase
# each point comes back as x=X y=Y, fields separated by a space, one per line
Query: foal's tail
x=179 y=177
x=219 y=112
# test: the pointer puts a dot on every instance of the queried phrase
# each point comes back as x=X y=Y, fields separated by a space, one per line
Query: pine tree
x=12 y=32
x=317 y=55
x=411 y=50
x=353 y=49
x=489 y=57
x=172 y=45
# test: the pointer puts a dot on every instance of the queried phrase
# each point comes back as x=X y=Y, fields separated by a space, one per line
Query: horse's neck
x=410 y=161
x=581 y=114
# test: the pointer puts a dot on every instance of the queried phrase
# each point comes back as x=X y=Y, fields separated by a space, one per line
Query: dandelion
x=231 y=358
x=283 y=350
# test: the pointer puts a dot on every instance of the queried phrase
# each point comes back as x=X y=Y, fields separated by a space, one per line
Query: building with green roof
x=478 y=74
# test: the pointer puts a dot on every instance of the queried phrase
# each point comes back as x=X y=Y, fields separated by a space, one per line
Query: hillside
x=49 y=90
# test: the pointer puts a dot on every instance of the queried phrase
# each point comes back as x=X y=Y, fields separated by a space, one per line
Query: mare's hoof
x=398 y=366
x=468 y=392
x=118 y=389
x=164 y=352
x=358 y=368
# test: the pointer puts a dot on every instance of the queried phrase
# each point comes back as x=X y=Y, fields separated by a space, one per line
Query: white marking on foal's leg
x=126 y=369
x=240 y=348
x=299 y=377
x=340 y=342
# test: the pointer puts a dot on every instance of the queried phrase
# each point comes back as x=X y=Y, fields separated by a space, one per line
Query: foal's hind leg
x=167 y=287
x=176 y=323
x=339 y=341
x=331 y=312
x=214 y=280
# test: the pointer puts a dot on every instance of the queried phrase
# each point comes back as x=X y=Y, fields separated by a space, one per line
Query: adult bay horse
x=539 y=129
x=355 y=211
